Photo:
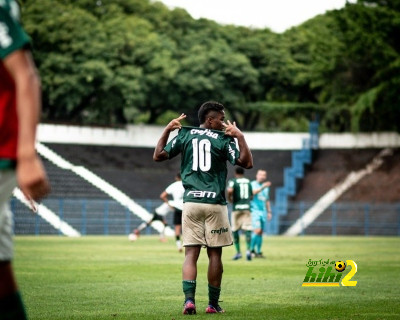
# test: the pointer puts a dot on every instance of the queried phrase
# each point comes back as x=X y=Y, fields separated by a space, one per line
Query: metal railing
x=108 y=217
x=346 y=218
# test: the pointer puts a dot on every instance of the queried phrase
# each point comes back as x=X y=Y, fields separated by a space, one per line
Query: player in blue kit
x=260 y=208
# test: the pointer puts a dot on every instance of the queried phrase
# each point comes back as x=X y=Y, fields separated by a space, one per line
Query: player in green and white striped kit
x=204 y=153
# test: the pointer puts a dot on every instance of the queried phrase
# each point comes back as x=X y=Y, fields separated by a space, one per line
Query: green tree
x=126 y=61
x=371 y=61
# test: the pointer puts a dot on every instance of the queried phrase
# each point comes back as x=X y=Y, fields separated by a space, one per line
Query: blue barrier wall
x=107 y=217
x=291 y=174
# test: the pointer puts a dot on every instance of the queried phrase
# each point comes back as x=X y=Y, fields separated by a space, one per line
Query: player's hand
x=32 y=178
x=266 y=184
x=231 y=129
x=269 y=216
x=176 y=123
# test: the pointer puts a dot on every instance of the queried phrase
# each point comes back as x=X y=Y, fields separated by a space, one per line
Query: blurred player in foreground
x=176 y=190
x=20 y=105
x=240 y=193
x=260 y=208
x=204 y=152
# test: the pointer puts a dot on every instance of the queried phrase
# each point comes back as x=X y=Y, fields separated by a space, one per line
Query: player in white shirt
x=159 y=214
x=176 y=191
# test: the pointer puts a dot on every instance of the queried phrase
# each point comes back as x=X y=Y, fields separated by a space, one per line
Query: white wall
x=147 y=136
x=360 y=140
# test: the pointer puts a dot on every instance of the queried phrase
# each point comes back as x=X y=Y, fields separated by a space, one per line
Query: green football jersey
x=12 y=36
x=242 y=192
x=204 y=154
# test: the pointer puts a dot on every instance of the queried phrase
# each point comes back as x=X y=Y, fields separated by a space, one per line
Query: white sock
x=142 y=226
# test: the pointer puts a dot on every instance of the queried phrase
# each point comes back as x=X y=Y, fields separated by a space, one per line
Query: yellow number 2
x=346 y=280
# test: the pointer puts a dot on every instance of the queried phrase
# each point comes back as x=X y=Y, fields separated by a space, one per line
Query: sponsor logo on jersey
x=14 y=9
x=242 y=207
x=261 y=197
x=5 y=39
x=202 y=194
x=173 y=143
x=206 y=132
x=231 y=151
x=220 y=230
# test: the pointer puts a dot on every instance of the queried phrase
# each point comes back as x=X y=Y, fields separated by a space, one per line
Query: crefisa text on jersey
x=207 y=132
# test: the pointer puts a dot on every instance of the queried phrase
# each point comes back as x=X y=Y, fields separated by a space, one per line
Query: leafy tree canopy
x=128 y=61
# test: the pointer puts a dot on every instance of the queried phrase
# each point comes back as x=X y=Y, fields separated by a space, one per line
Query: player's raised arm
x=159 y=152
x=245 y=159
x=266 y=184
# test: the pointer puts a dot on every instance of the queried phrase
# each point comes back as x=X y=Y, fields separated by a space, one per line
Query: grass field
x=112 y=278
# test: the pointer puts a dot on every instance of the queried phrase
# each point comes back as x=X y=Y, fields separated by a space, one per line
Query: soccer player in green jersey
x=240 y=193
x=204 y=152
x=19 y=164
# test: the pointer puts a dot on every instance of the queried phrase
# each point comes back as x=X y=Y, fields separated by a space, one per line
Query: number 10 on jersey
x=201 y=155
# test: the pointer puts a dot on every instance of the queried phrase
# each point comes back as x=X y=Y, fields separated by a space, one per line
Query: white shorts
x=206 y=225
x=241 y=219
x=7 y=184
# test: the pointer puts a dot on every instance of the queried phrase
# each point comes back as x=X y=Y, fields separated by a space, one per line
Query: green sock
x=189 y=289
x=12 y=307
x=213 y=295
x=236 y=241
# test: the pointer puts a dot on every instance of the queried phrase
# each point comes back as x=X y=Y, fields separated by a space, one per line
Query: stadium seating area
x=353 y=212
x=132 y=170
x=66 y=184
x=331 y=166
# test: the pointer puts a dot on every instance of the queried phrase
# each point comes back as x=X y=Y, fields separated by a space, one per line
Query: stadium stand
x=370 y=207
x=133 y=170
x=66 y=184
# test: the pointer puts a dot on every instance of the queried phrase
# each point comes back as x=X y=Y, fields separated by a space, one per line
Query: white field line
x=47 y=215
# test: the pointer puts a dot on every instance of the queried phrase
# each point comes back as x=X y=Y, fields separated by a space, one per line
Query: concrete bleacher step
x=66 y=184
x=334 y=193
x=102 y=185
x=133 y=171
